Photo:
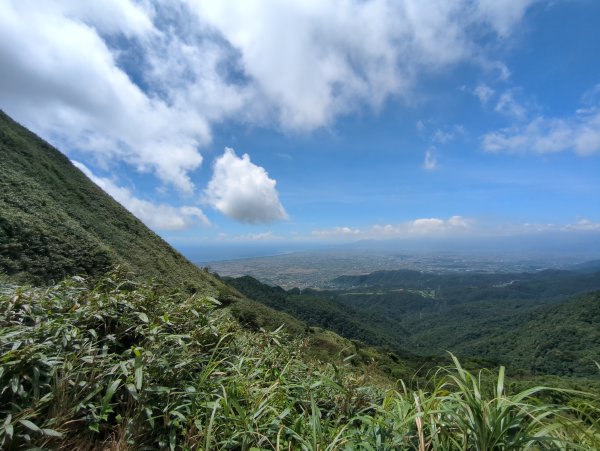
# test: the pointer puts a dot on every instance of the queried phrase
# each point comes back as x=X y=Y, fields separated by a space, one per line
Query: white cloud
x=504 y=14
x=459 y=222
x=336 y=232
x=61 y=77
x=592 y=96
x=418 y=227
x=444 y=136
x=144 y=82
x=430 y=163
x=584 y=225
x=424 y=226
x=162 y=217
x=508 y=105
x=313 y=60
x=483 y=93
x=252 y=237
x=579 y=133
x=243 y=191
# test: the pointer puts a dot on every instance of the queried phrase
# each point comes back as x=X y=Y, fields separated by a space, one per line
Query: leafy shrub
x=123 y=365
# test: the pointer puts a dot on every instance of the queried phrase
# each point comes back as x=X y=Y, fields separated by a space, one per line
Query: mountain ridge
x=55 y=222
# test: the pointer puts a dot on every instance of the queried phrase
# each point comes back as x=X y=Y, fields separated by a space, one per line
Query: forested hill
x=461 y=286
x=533 y=328
x=55 y=222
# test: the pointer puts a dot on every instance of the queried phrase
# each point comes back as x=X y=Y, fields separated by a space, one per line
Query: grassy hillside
x=55 y=222
x=115 y=361
x=116 y=364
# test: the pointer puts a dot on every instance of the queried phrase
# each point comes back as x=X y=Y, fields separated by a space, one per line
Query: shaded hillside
x=531 y=332
x=55 y=222
x=561 y=339
x=318 y=310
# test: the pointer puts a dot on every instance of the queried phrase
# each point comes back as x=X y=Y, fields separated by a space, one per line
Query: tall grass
x=120 y=365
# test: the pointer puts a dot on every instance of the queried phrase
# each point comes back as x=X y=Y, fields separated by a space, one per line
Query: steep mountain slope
x=110 y=363
x=55 y=222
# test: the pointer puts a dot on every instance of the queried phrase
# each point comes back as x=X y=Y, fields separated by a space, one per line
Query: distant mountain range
x=582 y=243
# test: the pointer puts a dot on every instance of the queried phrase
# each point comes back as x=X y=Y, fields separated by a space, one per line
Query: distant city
x=317 y=268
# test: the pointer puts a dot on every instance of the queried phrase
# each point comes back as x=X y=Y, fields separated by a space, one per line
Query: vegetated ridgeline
x=55 y=222
x=111 y=362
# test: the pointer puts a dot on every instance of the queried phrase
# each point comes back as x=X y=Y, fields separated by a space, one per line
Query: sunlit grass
x=121 y=365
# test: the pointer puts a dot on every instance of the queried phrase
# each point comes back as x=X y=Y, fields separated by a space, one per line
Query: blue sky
x=309 y=122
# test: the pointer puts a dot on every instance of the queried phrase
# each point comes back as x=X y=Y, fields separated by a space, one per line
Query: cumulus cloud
x=503 y=15
x=414 y=228
x=61 y=78
x=336 y=232
x=316 y=60
x=144 y=82
x=156 y=216
x=243 y=191
x=579 y=133
x=152 y=98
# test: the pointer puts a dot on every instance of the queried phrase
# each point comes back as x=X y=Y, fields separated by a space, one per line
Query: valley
x=499 y=315
x=354 y=225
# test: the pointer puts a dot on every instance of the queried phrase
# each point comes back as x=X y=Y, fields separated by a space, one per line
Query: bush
x=123 y=365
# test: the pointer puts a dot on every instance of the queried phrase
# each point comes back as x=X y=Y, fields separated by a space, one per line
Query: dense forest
x=537 y=323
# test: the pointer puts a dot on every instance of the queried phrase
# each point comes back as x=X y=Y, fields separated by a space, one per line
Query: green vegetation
x=469 y=287
x=492 y=320
x=118 y=364
x=175 y=358
x=314 y=310
x=55 y=222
